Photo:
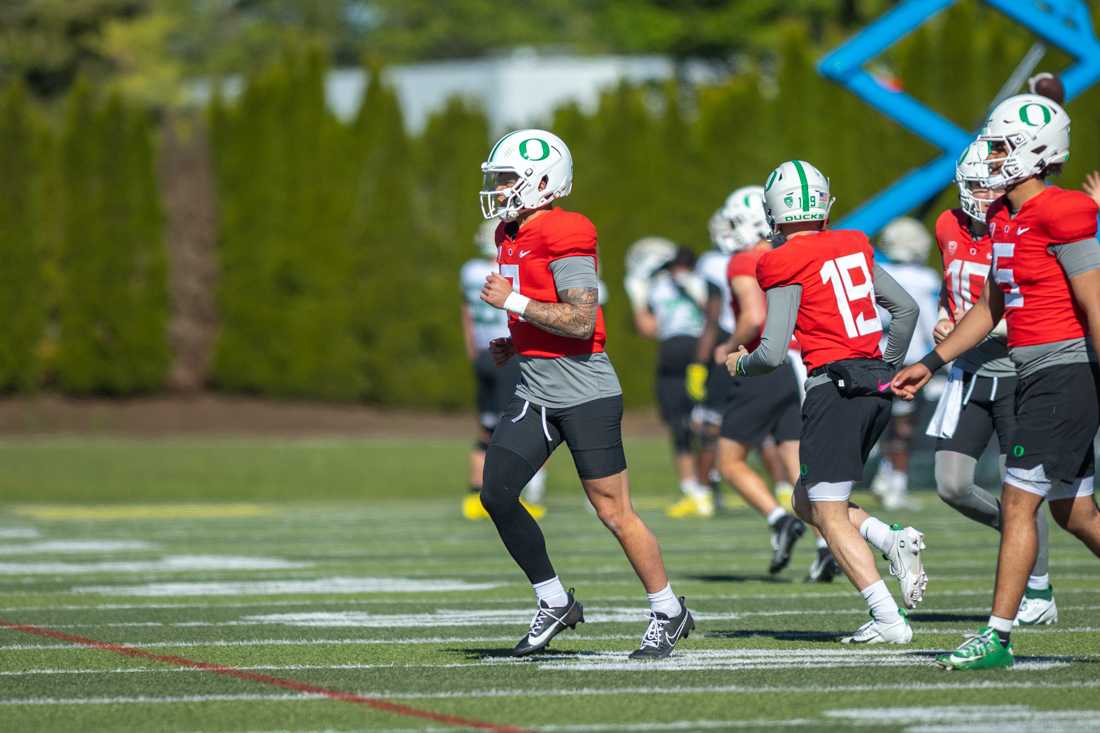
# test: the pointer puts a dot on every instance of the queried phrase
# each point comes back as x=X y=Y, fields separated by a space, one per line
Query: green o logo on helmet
x=1026 y=115
x=541 y=150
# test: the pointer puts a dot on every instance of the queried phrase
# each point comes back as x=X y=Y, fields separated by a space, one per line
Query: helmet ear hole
x=542 y=184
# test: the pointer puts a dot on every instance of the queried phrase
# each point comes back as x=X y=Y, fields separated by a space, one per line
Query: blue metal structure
x=1066 y=24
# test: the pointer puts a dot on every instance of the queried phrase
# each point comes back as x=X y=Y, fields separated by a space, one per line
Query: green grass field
x=344 y=565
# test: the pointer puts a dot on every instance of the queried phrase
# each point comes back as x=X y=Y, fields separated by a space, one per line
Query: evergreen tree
x=22 y=296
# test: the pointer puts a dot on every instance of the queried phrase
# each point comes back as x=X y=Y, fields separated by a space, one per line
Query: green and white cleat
x=1037 y=608
x=873 y=632
x=907 y=564
x=983 y=650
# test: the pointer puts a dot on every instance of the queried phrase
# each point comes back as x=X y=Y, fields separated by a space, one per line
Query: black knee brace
x=682 y=436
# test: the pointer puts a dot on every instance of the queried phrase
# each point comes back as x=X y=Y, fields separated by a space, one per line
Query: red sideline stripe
x=295 y=685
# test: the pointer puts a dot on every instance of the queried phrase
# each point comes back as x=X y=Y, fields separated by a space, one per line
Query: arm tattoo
x=574 y=317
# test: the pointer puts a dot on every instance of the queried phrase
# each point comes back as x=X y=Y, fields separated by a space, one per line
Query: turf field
x=243 y=585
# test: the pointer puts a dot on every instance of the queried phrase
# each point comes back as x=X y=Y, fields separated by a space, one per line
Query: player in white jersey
x=481 y=323
x=907 y=244
x=667 y=297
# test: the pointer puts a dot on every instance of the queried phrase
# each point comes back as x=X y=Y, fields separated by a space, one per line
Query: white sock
x=665 y=601
x=783 y=487
x=1038 y=582
x=693 y=488
x=1004 y=625
x=882 y=605
x=878 y=533
x=775 y=515
x=552 y=592
x=821 y=543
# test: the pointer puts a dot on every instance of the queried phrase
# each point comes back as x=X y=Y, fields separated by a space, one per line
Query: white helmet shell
x=647 y=255
x=526 y=158
x=971 y=170
x=796 y=192
x=748 y=222
x=1034 y=132
x=486 y=238
x=905 y=240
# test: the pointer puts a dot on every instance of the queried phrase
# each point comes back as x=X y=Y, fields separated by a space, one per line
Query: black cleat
x=663 y=633
x=786 y=531
x=548 y=623
x=824 y=567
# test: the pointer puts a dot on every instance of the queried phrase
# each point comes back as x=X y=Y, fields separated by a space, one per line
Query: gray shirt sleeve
x=903 y=315
x=575 y=272
x=1078 y=257
x=783 y=305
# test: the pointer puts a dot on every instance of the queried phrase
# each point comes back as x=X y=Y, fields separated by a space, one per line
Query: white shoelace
x=540 y=620
x=654 y=633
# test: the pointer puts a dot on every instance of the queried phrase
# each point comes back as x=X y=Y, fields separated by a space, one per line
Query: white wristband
x=516 y=303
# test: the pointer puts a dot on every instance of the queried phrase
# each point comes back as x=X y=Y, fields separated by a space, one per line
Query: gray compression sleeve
x=575 y=272
x=783 y=305
x=1078 y=257
x=903 y=315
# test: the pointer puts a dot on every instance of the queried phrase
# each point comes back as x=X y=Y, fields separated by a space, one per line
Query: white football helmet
x=647 y=255
x=905 y=240
x=796 y=192
x=1034 y=134
x=971 y=170
x=486 y=239
x=517 y=166
x=746 y=218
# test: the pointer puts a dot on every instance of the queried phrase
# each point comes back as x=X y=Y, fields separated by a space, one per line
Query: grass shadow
x=934 y=617
x=811 y=636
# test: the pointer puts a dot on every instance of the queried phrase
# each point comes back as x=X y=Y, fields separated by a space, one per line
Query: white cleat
x=1037 y=612
x=907 y=565
x=873 y=632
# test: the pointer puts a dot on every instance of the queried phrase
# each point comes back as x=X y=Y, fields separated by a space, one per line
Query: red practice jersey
x=1039 y=305
x=837 y=318
x=743 y=264
x=966 y=261
x=525 y=260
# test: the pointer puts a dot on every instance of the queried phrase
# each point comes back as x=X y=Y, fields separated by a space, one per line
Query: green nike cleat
x=980 y=651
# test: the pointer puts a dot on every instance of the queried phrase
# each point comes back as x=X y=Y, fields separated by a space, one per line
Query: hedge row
x=340 y=243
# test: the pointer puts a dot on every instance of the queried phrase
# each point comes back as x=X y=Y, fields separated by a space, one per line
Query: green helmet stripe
x=805 y=184
x=494 y=150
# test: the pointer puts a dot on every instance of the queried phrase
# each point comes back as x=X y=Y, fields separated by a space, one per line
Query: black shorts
x=674 y=356
x=592 y=430
x=495 y=387
x=763 y=406
x=1057 y=415
x=990 y=407
x=838 y=433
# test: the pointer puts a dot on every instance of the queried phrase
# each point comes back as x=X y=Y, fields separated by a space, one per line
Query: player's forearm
x=574 y=317
x=709 y=338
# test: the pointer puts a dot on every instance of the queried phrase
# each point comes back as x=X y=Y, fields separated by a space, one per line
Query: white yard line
x=908 y=688
x=325 y=585
x=66 y=547
x=1044 y=630
x=169 y=563
x=524 y=600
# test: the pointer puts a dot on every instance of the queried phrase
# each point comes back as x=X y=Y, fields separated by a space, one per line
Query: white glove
x=637 y=289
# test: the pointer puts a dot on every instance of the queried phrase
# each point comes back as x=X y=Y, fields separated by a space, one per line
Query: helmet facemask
x=971 y=172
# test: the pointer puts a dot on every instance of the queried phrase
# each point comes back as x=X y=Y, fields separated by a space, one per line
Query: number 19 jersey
x=837 y=318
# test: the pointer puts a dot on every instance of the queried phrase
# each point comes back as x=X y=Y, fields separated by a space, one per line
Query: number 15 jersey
x=837 y=318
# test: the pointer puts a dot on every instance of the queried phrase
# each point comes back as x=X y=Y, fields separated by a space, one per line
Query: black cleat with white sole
x=824 y=567
x=549 y=621
x=786 y=531
x=663 y=633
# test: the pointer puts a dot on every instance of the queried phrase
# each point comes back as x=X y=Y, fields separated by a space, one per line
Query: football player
x=1046 y=285
x=481 y=323
x=667 y=299
x=568 y=390
x=906 y=244
x=759 y=408
x=980 y=396
x=822 y=286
